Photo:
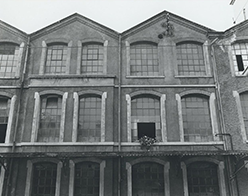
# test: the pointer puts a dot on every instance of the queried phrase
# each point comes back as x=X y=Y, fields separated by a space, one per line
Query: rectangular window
x=4 y=115
x=240 y=62
x=146 y=129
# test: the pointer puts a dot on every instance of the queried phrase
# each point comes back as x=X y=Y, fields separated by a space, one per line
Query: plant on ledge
x=146 y=141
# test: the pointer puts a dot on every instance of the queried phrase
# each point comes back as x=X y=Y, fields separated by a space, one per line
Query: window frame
x=12 y=100
x=244 y=133
x=37 y=111
x=162 y=100
x=79 y=55
x=21 y=46
x=159 y=58
x=212 y=108
x=206 y=58
x=44 y=57
x=166 y=165
x=231 y=53
x=76 y=96
x=220 y=170
x=30 y=164
x=102 y=164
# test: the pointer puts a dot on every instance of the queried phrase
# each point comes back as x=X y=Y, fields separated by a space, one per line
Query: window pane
x=144 y=60
x=190 y=59
x=148 y=179
x=50 y=118
x=89 y=127
x=240 y=57
x=87 y=179
x=196 y=119
x=44 y=179
x=92 y=58
x=56 y=59
x=145 y=110
x=8 y=59
x=203 y=179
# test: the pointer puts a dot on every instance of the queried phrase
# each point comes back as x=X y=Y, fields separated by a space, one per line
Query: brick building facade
x=77 y=98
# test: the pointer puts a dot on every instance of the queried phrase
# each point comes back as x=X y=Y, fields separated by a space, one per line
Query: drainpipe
x=119 y=111
x=233 y=185
x=19 y=98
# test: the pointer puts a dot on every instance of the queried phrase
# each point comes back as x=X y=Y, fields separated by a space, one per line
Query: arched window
x=89 y=122
x=145 y=117
x=203 y=179
x=56 y=58
x=244 y=107
x=8 y=59
x=4 y=116
x=87 y=179
x=92 y=58
x=190 y=59
x=144 y=59
x=44 y=179
x=148 y=179
x=50 y=118
x=196 y=118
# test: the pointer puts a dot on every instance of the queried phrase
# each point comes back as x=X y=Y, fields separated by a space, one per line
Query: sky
x=120 y=15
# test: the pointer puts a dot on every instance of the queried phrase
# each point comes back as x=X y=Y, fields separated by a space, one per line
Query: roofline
x=68 y=18
x=13 y=29
x=237 y=26
x=163 y=15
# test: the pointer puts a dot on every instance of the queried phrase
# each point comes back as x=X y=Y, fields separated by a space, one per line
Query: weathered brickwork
x=77 y=99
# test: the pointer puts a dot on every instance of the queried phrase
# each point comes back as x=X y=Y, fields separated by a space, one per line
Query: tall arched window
x=148 y=179
x=203 y=179
x=92 y=58
x=87 y=179
x=89 y=122
x=56 y=58
x=4 y=116
x=196 y=118
x=190 y=59
x=145 y=117
x=144 y=59
x=50 y=118
x=8 y=59
x=244 y=107
x=44 y=179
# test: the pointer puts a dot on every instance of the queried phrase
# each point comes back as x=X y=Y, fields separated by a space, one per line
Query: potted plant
x=147 y=142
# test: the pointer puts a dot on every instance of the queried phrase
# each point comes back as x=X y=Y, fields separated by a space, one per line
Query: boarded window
x=50 y=118
x=44 y=179
x=87 y=179
x=190 y=59
x=4 y=115
x=145 y=111
x=196 y=119
x=203 y=179
x=148 y=179
x=56 y=59
x=8 y=59
x=144 y=59
x=89 y=127
x=92 y=58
